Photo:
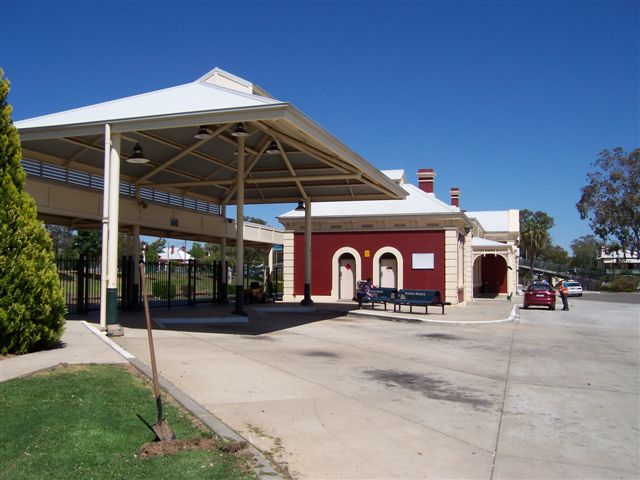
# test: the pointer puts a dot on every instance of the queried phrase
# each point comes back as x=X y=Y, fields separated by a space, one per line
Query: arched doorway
x=388 y=271
x=346 y=277
x=490 y=275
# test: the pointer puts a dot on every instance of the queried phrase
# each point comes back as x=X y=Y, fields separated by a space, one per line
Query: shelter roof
x=417 y=202
x=308 y=163
x=483 y=242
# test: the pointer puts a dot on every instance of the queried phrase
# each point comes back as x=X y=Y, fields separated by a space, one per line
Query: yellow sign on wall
x=367 y=253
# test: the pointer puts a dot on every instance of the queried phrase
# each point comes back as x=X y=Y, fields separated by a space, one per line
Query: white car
x=575 y=289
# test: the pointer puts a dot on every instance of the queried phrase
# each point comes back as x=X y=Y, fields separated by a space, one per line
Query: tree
x=555 y=254
x=611 y=199
x=62 y=238
x=534 y=234
x=87 y=242
x=585 y=252
x=153 y=250
x=32 y=304
x=257 y=220
x=197 y=252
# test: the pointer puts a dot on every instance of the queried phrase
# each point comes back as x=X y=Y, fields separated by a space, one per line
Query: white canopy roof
x=309 y=163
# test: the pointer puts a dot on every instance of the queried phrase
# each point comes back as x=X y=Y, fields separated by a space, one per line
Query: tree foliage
x=611 y=199
x=152 y=252
x=534 y=233
x=197 y=251
x=32 y=304
x=585 y=252
x=555 y=254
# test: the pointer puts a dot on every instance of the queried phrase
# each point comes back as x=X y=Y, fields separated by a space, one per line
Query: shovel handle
x=154 y=371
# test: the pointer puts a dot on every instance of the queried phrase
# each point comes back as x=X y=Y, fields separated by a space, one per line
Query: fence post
x=190 y=283
x=169 y=266
x=80 y=285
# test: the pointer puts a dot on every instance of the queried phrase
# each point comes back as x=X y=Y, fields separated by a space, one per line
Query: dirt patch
x=440 y=336
x=321 y=353
x=162 y=449
x=430 y=387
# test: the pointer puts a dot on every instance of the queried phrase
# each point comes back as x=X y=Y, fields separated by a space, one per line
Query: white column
x=112 y=246
x=105 y=228
x=239 y=310
x=307 y=254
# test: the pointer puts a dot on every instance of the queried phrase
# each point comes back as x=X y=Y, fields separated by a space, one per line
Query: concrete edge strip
x=263 y=468
x=103 y=336
x=512 y=316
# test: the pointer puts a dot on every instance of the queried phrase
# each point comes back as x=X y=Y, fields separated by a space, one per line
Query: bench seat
x=380 y=295
x=418 y=298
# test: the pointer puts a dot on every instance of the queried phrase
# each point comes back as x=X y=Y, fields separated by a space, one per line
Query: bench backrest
x=427 y=296
x=383 y=292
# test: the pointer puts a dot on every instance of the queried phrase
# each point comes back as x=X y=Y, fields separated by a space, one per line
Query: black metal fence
x=168 y=284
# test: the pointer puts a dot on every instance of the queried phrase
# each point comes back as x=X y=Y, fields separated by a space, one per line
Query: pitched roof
x=417 y=202
x=492 y=221
x=205 y=94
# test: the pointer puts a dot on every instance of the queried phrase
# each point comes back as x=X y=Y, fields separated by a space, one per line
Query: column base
x=239 y=310
x=115 y=330
x=307 y=295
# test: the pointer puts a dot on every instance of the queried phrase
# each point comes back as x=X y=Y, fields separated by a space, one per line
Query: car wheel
x=525 y=306
x=552 y=307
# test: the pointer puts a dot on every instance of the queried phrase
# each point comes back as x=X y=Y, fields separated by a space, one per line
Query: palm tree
x=534 y=234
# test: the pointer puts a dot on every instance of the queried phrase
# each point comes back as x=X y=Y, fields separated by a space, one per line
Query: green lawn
x=80 y=423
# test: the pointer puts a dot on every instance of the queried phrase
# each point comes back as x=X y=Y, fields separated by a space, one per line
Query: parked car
x=574 y=288
x=540 y=294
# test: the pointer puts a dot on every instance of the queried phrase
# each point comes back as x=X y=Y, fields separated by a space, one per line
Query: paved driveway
x=554 y=395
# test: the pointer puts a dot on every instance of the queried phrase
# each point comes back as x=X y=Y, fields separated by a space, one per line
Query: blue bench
x=418 y=298
x=380 y=295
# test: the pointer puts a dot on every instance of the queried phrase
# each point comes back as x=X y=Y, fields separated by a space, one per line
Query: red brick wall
x=325 y=244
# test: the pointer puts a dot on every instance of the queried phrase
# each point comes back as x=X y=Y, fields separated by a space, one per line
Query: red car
x=540 y=294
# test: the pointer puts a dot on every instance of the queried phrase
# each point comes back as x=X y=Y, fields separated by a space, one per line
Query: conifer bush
x=32 y=305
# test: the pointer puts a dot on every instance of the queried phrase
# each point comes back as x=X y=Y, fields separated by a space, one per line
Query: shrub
x=163 y=289
x=32 y=305
x=623 y=284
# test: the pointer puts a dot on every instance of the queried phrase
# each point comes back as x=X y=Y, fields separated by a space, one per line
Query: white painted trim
x=400 y=266
x=335 y=268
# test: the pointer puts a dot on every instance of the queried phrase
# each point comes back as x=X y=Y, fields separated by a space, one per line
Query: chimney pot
x=455 y=196
x=426 y=179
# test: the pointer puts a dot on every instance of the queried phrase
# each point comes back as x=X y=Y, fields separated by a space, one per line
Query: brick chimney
x=455 y=196
x=425 y=179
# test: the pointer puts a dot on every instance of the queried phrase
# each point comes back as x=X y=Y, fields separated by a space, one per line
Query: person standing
x=563 y=290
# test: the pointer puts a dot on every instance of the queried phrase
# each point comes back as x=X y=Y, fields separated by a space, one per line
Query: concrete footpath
x=334 y=393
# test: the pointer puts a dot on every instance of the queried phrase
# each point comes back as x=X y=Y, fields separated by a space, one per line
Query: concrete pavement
x=552 y=395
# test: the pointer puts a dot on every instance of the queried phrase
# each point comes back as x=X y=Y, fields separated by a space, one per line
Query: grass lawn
x=80 y=422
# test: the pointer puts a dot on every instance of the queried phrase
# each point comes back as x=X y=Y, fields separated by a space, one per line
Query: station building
x=419 y=242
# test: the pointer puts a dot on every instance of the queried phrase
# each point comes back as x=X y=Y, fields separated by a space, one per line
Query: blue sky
x=510 y=101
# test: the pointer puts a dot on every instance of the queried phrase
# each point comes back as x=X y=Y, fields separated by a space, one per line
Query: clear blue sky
x=510 y=101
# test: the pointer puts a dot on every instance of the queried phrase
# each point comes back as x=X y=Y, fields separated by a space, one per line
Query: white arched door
x=347 y=278
x=388 y=272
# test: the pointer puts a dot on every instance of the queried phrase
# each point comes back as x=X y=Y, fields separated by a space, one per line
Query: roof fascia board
x=246 y=114
x=308 y=126
x=399 y=216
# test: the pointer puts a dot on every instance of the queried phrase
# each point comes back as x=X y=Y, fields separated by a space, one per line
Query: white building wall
x=451 y=266
x=468 y=268
x=287 y=265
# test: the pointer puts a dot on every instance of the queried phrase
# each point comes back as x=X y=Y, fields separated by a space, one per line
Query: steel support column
x=307 y=254
x=112 y=245
x=104 y=277
x=239 y=310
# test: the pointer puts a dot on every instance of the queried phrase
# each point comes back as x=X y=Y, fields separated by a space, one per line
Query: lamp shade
x=138 y=156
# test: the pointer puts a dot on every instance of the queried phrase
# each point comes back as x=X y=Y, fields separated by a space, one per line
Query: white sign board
x=422 y=261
